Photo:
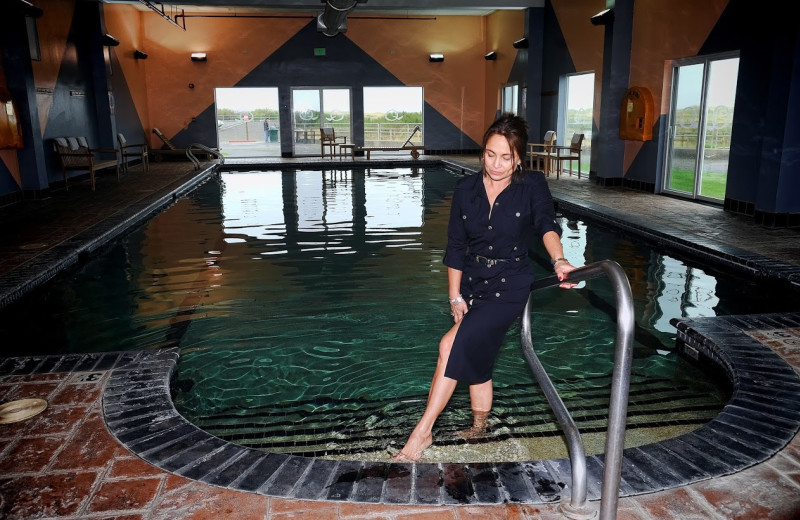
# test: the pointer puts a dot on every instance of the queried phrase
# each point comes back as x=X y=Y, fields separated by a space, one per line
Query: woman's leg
x=480 y=396
x=441 y=390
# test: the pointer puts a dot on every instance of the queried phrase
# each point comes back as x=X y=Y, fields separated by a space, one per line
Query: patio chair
x=541 y=152
x=135 y=151
x=171 y=152
x=568 y=153
x=327 y=137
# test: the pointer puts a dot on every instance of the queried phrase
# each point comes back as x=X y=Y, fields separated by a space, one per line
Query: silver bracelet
x=457 y=299
x=557 y=260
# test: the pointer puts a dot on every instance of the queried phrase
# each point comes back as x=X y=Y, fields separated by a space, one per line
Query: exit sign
x=319 y=51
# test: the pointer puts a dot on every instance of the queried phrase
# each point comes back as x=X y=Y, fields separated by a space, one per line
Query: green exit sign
x=319 y=51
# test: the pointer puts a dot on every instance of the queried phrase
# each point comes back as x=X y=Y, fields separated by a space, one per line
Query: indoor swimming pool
x=308 y=305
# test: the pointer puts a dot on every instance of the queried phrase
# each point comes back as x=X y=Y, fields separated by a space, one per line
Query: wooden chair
x=74 y=154
x=327 y=137
x=568 y=153
x=542 y=152
x=136 y=151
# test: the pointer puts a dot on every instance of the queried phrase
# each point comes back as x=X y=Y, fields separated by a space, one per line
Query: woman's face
x=499 y=160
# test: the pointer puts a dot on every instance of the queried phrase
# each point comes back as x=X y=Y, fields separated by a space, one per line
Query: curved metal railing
x=196 y=161
x=618 y=405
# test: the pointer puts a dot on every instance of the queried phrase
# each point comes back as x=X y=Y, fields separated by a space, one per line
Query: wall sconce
x=139 y=55
x=199 y=56
x=491 y=56
x=109 y=41
x=436 y=57
x=522 y=43
x=604 y=17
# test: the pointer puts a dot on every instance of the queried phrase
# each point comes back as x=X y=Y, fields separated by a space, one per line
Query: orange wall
x=503 y=28
x=234 y=47
x=125 y=23
x=454 y=87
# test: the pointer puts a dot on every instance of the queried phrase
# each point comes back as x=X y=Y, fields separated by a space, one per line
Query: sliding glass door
x=701 y=117
x=315 y=108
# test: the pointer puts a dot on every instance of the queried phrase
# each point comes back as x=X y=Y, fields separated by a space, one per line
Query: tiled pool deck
x=110 y=445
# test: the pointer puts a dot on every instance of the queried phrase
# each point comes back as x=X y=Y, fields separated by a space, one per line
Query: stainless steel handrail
x=196 y=161
x=620 y=384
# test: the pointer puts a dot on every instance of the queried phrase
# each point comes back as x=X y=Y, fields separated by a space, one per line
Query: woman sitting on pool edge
x=492 y=219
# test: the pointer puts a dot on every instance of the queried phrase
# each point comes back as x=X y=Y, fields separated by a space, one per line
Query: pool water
x=308 y=306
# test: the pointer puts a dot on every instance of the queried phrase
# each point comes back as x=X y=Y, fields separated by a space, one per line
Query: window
x=510 y=101
x=579 y=105
x=391 y=114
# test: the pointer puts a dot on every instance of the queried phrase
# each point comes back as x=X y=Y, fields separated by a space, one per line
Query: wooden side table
x=343 y=147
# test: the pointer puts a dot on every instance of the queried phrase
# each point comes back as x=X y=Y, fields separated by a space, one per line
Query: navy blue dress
x=492 y=254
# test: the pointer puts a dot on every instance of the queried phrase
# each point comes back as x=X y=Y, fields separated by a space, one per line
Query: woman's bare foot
x=413 y=449
x=478 y=428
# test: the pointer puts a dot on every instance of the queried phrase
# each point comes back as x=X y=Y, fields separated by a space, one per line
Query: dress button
x=486 y=282
x=464 y=217
x=470 y=278
x=497 y=295
x=518 y=213
x=490 y=248
x=515 y=248
x=503 y=280
x=490 y=227
x=496 y=203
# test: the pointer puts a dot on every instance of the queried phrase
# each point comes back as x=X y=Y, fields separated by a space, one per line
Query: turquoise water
x=308 y=307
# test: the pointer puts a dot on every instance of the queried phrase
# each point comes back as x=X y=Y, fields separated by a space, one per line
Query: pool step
x=349 y=427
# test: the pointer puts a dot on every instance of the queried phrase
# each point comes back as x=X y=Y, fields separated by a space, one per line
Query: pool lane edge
x=752 y=427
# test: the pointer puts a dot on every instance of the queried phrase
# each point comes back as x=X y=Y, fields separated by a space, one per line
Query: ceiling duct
x=333 y=18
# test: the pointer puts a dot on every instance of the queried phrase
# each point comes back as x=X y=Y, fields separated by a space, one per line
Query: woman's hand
x=562 y=267
x=458 y=310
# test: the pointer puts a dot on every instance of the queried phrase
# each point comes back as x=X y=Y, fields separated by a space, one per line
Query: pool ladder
x=190 y=155
x=618 y=405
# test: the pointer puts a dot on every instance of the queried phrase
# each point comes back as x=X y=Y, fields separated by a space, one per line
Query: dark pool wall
x=82 y=87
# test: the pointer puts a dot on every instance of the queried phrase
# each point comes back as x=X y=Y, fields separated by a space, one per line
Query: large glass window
x=391 y=114
x=510 y=101
x=579 y=98
x=248 y=122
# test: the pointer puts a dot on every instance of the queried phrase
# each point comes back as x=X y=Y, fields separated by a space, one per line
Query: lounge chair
x=414 y=149
x=75 y=154
x=136 y=151
x=170 y=151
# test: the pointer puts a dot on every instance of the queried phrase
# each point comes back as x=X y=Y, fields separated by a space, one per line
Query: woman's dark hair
x=515 y=130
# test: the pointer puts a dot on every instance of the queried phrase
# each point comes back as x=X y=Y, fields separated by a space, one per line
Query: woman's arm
x=458 y=307
x=552 y=243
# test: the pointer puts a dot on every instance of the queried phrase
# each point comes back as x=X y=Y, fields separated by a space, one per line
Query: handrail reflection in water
x=620 y=383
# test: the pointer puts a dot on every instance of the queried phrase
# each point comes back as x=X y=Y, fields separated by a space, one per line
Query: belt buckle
x=490 y=262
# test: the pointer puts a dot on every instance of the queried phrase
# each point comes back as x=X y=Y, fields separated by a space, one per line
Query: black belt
x=489 y=262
